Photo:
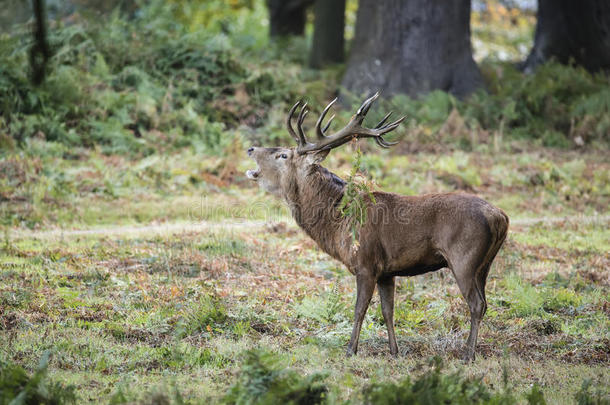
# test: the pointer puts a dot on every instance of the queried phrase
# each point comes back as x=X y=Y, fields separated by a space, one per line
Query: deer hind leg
x=365 y=285
x=470 y=276
x=476 y=299
x=386 y=289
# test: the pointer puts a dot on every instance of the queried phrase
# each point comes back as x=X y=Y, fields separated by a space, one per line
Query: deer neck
x=314 y=202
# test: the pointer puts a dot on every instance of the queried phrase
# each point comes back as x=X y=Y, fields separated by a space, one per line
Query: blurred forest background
x=132 y=78
x=139 y=263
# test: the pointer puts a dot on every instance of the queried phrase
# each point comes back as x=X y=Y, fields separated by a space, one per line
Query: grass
x=593 y=237
x=125 y=310
x=96 y=189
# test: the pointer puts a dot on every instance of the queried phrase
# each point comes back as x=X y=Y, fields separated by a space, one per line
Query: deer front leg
x=365 y=285
x=386 y=287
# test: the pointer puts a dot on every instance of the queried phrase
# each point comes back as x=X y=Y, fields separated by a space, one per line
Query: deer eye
x=284 y=156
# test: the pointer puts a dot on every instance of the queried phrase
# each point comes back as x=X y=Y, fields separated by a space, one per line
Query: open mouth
x=253 y=174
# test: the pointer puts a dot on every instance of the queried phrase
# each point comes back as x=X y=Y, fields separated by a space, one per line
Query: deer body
x=402 y=235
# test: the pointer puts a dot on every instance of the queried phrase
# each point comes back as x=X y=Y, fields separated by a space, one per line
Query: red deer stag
x=401 y=236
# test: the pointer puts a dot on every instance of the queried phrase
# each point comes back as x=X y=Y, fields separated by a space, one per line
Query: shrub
x=161 y=395
x=327 y=309
x=183 y=355
x=436 y=388
x=129 y=86
x=553 y=103
x=560 y=298
x=203 y=316
x=525 y=299
x=17 y=387
x=585 y=397
x=263 y=381
x=552 y=106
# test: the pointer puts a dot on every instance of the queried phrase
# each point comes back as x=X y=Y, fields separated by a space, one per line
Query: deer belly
x=413 y=265
x=417 y=270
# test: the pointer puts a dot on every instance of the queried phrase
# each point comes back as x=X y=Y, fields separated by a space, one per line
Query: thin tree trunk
x=40 y=52
x=412 y=47
x=568 y=30
x=328 y=40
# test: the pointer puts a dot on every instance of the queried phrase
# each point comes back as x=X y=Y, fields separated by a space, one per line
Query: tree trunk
x=569 y=30
x=329 y=25
x=40 y=52
x=412 y=47
x=287 y=17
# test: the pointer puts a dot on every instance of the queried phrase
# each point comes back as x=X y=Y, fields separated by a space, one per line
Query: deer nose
x=250 y=150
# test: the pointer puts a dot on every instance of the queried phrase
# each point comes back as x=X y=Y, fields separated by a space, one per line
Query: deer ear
x=317 y=157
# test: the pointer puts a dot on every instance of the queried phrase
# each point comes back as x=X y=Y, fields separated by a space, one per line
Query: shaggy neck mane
x=314 y=201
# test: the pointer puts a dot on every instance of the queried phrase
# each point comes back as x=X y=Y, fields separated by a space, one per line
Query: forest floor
x=163 y=272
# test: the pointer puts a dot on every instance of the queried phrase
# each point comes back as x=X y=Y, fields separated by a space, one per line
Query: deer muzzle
x=252 y=174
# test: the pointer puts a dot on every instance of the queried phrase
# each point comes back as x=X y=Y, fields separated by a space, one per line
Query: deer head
x=279 y=168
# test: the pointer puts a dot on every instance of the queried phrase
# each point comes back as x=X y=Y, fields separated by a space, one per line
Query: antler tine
x=393 y=125
x=383 y=120
x=366 y=105
x=383 y=130
x=381 y=142
x=302 y=114
x=319 y=131
x=328 y=123
x=289 y=121
x=353 y=129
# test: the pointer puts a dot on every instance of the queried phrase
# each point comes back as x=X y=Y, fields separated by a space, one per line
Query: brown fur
x=402 y=236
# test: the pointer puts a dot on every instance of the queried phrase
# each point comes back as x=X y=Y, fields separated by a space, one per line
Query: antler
x=353 y=129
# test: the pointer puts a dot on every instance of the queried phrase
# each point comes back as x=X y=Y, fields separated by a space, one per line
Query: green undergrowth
x=263 y=381
x=133 y=86
x=435 y=387
x=557 y=105
x=18 y=387
x=201 y=317
x=548 y=297
x=170 y=77
x=264 y=378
